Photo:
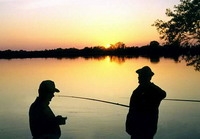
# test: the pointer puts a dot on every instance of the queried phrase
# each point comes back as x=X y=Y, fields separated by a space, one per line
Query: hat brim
x=56 y=90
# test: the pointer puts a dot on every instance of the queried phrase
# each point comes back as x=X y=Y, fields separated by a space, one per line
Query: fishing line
x=119 y=104
x=92 y=99
x=186 y=100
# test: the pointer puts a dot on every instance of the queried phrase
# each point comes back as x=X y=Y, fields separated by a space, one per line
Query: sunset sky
x=49 y=24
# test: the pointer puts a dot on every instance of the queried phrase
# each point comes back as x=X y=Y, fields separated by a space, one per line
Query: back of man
x=142 y=118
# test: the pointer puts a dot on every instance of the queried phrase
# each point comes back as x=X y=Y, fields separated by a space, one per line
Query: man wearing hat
x=43 y=123
x=142 y=118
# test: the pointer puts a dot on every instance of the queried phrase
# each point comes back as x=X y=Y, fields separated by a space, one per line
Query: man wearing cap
x=142 y=118
x=43 y=123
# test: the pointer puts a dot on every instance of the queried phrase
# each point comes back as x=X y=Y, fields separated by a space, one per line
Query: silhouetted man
x=43 y=123
x=142 y=118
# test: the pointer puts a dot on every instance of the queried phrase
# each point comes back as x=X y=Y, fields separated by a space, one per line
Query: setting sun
x=107 y=45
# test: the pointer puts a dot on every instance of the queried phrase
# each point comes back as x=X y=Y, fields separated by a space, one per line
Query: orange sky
x=49 y=24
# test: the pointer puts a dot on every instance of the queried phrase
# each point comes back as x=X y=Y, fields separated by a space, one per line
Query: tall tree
x=118 y=45
x=183 y=28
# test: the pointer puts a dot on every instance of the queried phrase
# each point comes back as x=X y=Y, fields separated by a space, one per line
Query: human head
x=144 y=74
x=47 y=87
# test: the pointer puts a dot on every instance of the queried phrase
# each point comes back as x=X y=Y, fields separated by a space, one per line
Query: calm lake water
x=107 y=79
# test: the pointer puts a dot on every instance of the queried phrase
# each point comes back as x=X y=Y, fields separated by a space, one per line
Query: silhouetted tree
x=193 y=61
x=154 y=44
x=118 y=45
x=184 y=26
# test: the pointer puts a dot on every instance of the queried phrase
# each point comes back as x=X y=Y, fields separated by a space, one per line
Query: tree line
x=118 y=49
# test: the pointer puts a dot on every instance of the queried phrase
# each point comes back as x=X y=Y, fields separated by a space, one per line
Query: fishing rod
x=92 y=99
x=119 y=104
x=186 y=100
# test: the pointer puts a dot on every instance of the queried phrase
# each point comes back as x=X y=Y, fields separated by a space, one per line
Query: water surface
x=107 y=79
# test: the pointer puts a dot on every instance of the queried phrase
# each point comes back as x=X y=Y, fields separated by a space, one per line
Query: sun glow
x=107 y=45
x=47 y=24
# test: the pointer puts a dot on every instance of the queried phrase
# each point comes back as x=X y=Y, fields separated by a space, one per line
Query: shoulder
x=158 y=90
x=152 y=85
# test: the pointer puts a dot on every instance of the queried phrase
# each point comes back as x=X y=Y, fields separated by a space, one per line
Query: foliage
x=118 y=45
x=184 y=26
x=154 y=44
x=193 y=61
